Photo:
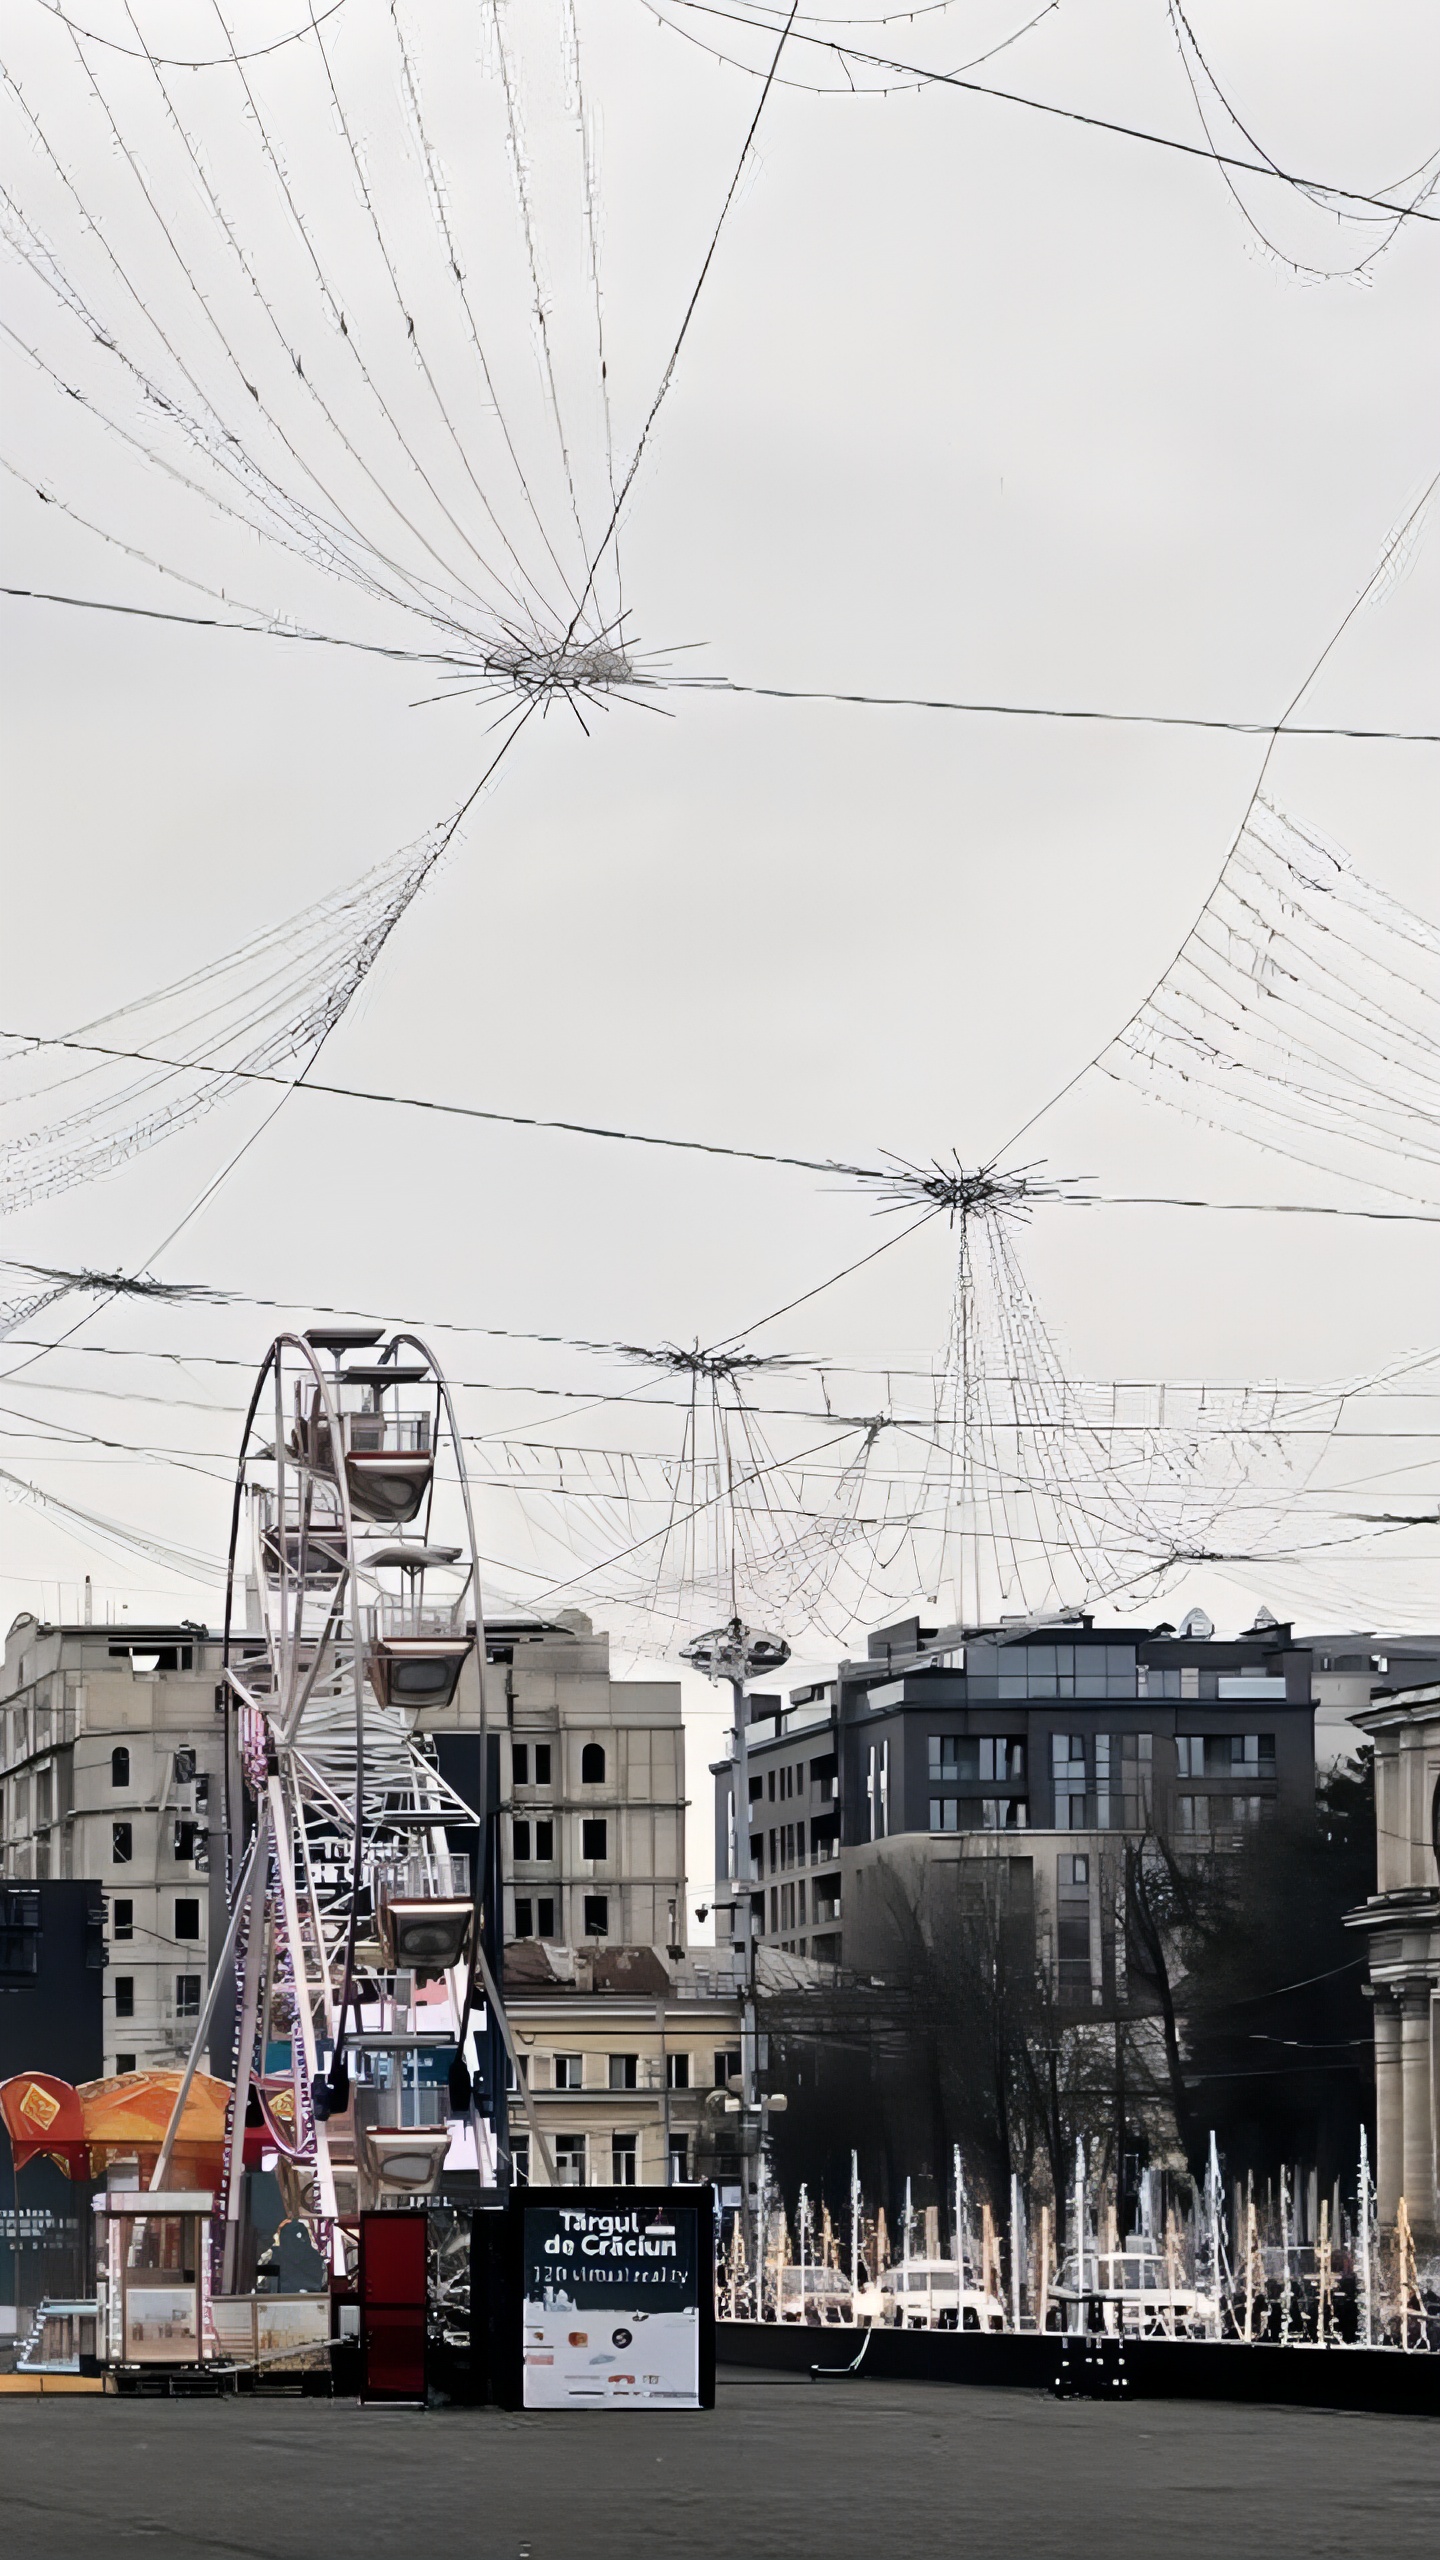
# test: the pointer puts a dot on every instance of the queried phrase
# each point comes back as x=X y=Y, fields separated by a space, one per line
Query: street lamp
x=737 y=1653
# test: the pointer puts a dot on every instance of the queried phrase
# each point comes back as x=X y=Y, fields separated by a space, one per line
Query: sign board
x=614 y=2288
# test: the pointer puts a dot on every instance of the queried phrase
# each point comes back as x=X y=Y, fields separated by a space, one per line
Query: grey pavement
x=780 y=2470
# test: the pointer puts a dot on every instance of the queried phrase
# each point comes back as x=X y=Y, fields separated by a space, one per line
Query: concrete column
x=1418 y=2151
x=1389 y=2105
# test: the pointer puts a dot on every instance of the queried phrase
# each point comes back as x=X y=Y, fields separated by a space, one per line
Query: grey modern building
x=1040 y=1743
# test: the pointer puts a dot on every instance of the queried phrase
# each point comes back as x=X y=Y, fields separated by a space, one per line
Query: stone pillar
x=1418 y=2148
x=1389 y=2105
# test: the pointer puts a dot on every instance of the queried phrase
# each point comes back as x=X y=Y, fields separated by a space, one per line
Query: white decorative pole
x=854 y=2233
x=1364 y=2200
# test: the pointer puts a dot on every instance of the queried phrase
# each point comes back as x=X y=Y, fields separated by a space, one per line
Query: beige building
x=110 y=1769
x=629 y=2062
x=1402 y=1925
x=592 y=1776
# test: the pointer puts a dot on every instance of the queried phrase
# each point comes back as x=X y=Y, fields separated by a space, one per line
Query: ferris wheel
x=357 y=1927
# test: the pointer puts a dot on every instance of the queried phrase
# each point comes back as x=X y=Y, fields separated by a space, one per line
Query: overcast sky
x=975 y=403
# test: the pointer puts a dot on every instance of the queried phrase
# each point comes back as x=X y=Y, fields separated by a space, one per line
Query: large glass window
x=1067 y=1671
x=624 y=2070
x=570 y=2159
x=569 y=2070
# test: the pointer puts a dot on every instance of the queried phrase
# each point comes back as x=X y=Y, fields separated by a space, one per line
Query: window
x=184 y=1842
x=1252 y=1755
x=187 y=1918
x=120 y=1766
x=122 y=1844
x=592 y=1765
x=944 y=1813
x=877 y=1788
x=1156 y=1683
x=520 y=1763
x=677 y=2160
x=545 y=1916
x=597 y=1915
x=677 y=2070
x=524 y=1916
x=594 y=1831
x=185 y=1767
x=1225 y=1755
x=624 y=2162
x=1067 y=1757
x=542 y=1764
x=1192 y=1814
x=757 y=1790
x=187 y=1995
x=520 y=2159
x=124 y=1995
x=569 y=2070
x=1067 y=1671
x=822 y=1778
x=770 y=1784
x=124 y=2061
x=520 y=1840
x=1004 y=1813
x=570 y=2159
x=774 y=1906
x=624 y=2070
x=728 y=2066
x=545 y=1839
x=122 y=1917
x=1072 y=1925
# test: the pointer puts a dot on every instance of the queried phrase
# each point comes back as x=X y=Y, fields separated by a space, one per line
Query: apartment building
x=592 y=1779
x=1037 y=1745
x=629 y=2060
x=110 y=1771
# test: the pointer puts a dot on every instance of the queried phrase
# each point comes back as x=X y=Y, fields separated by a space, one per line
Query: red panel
x=393 y=2258
x=393 y=2274
x=393 y=2345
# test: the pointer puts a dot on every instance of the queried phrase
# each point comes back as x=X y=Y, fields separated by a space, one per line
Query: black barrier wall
x=1376 y=2378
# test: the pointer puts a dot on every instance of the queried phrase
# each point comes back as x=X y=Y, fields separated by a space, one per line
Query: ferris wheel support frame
x=280 y=1799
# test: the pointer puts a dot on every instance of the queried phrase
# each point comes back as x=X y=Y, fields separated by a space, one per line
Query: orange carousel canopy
x=86 y=2129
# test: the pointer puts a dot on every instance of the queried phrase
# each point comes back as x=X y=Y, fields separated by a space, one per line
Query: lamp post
x=738 y=1654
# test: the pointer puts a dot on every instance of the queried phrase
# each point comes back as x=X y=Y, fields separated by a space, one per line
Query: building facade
x=1351 y=1671
x=112 y=1749
x=629 y=2062
x=592 y=1779
x=111 y=1755
x=1041 y=1745
x=1401 y=1924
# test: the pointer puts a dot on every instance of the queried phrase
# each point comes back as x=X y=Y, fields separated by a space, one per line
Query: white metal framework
x=346 y=1891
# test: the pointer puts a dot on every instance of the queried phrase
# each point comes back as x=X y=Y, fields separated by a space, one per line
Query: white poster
x=611 y=2306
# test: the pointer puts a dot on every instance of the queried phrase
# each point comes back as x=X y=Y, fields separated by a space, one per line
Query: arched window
x=592 y=1765
x=119 y=1766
